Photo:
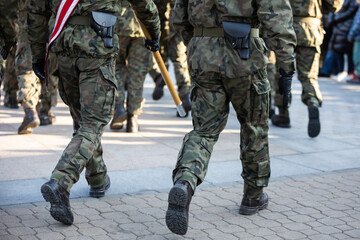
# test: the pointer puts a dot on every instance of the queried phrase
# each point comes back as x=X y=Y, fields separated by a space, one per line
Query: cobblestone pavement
x=317 y=206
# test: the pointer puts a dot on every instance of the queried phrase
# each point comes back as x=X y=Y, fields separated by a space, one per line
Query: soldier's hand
x=285 y=86
x=152 y=45
x=39 y=68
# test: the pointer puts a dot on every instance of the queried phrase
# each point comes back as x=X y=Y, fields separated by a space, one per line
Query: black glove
x=39 y=68
x=152 y=45
x=285 y=86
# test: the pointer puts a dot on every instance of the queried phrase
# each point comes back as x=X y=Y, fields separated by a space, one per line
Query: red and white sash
x=63 y=13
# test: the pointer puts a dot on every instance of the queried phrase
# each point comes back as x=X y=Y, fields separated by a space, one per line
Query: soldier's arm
x=181 y=22
x=38 y=17
x=147 y=13
x=332 y=5
x=276 y=17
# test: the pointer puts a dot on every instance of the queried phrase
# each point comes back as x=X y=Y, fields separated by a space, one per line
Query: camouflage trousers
x=48 y=96
x=174 y=49
x=9 y=78
x=132 y=64
x=211 y=96
x=87 y=86
x=307 y=67
x=29 y=84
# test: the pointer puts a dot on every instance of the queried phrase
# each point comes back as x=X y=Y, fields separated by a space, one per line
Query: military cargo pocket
x=206 y=146
x=110 y=89
x=86 y=148
x=260 y=97
x=263 y=174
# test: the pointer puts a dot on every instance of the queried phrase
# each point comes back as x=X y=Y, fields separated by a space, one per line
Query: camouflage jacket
x=307 y=19
x=8 y=15
x=82 y=41
x=214 y=54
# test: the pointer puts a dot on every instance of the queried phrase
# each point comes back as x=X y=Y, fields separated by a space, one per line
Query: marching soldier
x=309 y=33
x=85 y=48
x=227 y=63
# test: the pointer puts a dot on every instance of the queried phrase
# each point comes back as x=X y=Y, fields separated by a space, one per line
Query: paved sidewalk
x=314 y=188
x=320 y=206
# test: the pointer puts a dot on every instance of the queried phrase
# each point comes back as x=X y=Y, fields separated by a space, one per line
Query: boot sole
x=29 y=128
x=176 y=217
x=59 y=212
x=252 y=210
x=314 y=122
x=118 y=123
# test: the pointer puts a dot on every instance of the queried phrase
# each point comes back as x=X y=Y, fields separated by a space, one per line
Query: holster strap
x=79 y=20
x=219 y=32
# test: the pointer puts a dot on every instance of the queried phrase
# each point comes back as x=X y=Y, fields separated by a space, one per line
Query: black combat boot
x=186 y=103
x=159 y=88
x=46 y=118
x=10 y=102
x=59 y=199
x=119 y=118
x=250 y=206
x=177 y=214
x=98 y=192
x=31 y=121
x=280 y=121
x=132 y=124
x=314 y=120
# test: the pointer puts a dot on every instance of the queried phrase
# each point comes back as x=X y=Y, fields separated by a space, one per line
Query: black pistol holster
x=238 y=35
x=103 y=24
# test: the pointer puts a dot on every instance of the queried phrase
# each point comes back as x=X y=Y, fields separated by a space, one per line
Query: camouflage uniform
x=8 y=13
x=172 y=48
x=8 y=32
x=133 y=61
x=309 y=33
x=219 y=76
x=10 y=81
x=87 y=81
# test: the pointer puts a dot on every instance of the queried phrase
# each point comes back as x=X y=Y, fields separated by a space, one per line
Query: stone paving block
x=138 y=217
x=19 y=211
x=122 y=236
x=18 y=231
x=321 y=237
x=260 y=232
x=28 y=237
x=290 y=235
x=35 y=223
x=50 y=235
x=154 y=212
x=9 y=237
x=93 y=231
x=116 y=216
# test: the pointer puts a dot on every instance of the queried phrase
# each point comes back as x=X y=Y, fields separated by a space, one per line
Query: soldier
x=8 y=18
x=85 y=49
x=10 y=81
x=172 y=48
x=309 y=32
x=132 y=64
x=227 y=63
x=29 y=84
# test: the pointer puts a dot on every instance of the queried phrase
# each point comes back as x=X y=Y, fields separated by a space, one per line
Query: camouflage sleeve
x=148 y=15
x=8 y=14
x=38 y=17
x=332 y=5
x=181 y=22
x=276 y=17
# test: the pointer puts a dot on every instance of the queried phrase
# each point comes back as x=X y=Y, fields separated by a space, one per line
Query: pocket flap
x=262 y=86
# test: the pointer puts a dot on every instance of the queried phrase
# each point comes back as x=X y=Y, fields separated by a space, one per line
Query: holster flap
x=238 y=35
x=103 y=19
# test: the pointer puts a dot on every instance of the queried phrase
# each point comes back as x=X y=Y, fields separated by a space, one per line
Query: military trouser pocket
x=260 y=90
x=263 y=174
x=110 y=90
